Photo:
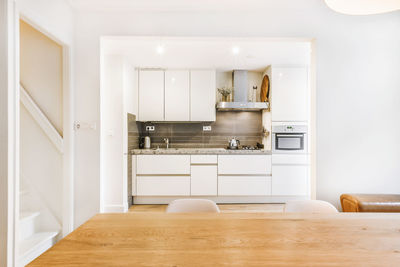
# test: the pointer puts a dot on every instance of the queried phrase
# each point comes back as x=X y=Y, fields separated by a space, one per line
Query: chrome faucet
x=166 y=140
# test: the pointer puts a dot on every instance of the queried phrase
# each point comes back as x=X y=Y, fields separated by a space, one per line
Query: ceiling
x=177 y=5
x=217 y=53
x=350 y=7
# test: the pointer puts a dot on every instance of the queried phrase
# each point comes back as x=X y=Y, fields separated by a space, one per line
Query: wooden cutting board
x=265 y=89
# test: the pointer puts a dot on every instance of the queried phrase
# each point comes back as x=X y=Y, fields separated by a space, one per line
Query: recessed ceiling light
x=235 y=50
x=160 y=49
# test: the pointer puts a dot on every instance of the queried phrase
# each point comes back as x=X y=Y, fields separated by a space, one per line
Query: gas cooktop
x=244 y=148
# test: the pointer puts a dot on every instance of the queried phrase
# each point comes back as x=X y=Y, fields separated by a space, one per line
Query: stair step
x=27 y=224
x=34 y=246
x=28 y=215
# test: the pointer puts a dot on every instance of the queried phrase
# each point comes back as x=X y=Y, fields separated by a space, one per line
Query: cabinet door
x=203 y=181
x=151 y=95
x=131 y=93
x=177 y=98
x=290 y=180
x=244 y=186
x=290 y=94
x=202 y=95
x=163 y=185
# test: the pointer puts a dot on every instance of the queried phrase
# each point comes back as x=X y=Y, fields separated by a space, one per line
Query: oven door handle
x=289 y=135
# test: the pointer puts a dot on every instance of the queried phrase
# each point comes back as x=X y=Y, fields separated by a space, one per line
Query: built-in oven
x=289 y=139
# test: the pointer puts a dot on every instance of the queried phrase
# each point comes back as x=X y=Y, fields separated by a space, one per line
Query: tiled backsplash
x=245 y=126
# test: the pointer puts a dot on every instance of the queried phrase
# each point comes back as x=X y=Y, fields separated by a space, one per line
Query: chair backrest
x=192 y=205
x=310 y=206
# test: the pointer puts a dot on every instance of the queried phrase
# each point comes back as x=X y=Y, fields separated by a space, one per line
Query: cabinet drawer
x=290 y=159
x=163 y=185
x=203 y=181
x=244 y=164
x=290 y=180
x=204 y=159
x=163 y=164
x=244 y=186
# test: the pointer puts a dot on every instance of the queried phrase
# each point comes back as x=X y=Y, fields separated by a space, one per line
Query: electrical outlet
x=150 y=128
x=206 y=128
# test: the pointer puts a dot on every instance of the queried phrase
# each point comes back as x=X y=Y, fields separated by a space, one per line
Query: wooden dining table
x=230 y=239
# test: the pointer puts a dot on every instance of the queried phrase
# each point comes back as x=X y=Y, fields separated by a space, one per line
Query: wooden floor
x=225 y=208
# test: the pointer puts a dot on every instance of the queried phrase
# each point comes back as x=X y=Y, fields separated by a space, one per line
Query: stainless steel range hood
x=241 y=102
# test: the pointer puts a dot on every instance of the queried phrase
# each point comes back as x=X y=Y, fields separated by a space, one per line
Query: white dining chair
x=310 y=206
x=192 y=205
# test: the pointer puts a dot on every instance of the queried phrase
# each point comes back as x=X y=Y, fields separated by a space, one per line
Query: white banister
x=41 y=119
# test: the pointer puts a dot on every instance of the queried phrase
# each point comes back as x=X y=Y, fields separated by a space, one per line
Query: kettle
x=234 y=143
x=145 y=142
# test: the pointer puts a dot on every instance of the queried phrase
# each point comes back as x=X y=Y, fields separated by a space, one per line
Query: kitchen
x=231 y=123
x=224 y=110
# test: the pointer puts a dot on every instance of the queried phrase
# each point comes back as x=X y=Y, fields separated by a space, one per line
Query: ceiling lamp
x=160 y=49
x=235 y=50
x=363 y=7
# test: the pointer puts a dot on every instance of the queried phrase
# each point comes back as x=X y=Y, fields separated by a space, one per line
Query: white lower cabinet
x=163 y=185
x=204 y=180
x=244 y=164
x=244 y=185
x=163 y=175
x=163 y=164
x=222 y=175
x=290 y=180
x=244 y=175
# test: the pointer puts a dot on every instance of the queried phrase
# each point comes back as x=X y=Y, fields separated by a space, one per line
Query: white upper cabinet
x=177 y=95
x=151 y=95
x=290 y=94
x=131 y=92
x=202 y=95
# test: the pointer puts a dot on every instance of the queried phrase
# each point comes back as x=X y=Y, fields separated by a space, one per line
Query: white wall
x=6 y=141
x=357 y=84
x=118 y=89
x=53 y=16
x=113 y=161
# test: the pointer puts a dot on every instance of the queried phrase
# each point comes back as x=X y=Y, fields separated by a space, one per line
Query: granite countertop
x=199 y=151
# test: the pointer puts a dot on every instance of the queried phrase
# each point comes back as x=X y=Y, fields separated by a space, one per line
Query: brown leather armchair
x=370 y=203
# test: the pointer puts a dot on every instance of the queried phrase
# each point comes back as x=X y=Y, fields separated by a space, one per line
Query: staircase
x=34 y=238
x=39 y=225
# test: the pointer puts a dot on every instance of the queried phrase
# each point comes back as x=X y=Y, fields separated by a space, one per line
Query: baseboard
x=221 y=200
x=115 y=208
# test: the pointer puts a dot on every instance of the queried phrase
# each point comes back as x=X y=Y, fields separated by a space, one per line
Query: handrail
x=42 y=120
